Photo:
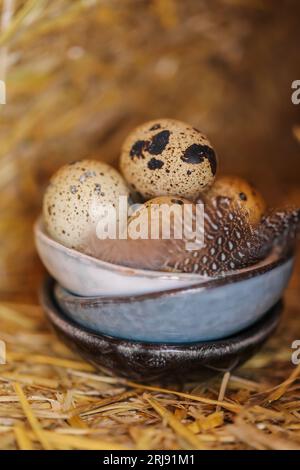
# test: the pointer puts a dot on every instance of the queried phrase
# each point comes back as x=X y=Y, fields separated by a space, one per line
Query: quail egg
x=242 y=194
x=158 y=218
x=73 y=198
x=168 y=157
x=152 y=229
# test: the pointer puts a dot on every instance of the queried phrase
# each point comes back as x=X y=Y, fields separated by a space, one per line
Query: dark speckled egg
x=168 y=157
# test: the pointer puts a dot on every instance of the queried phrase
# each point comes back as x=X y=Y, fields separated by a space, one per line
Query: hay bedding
x=63 y=102
x=51 y=399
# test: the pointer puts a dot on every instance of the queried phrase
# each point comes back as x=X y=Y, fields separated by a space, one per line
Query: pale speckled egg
x=242 y=194
x=168 y=157
x=140 y=249
x=153 y=218
x=73 y=198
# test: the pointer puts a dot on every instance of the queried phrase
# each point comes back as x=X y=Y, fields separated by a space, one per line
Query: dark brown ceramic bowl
x=155 y=361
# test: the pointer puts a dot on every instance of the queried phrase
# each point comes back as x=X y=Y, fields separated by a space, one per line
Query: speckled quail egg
x=152 y=230
x=242 y=194
x=152 y=227
x=158 y=218
x=73 y=198
x=168 y=157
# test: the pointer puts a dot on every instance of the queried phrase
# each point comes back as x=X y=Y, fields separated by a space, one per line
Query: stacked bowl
x=161 y=323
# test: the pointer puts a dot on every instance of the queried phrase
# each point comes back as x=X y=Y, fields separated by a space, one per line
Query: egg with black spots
x=159 y=218
x=168 y=157
x=75 y=198
x=242 y=194
x=152 y=229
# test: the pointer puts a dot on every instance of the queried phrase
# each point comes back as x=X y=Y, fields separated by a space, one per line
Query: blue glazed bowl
x=207 y=311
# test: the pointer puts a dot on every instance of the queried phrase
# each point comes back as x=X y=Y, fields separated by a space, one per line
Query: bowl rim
x=97 y=301
x=40 y=233
x=204 y=283
x=61 y=320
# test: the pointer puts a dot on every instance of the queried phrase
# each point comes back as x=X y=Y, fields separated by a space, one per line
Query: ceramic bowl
x=207 y=311
x=87 y=276
x=159 y=361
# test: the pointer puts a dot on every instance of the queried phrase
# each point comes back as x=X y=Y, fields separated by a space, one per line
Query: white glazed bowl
x=87 y=276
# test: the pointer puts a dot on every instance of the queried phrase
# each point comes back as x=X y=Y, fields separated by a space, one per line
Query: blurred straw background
x=79 y=75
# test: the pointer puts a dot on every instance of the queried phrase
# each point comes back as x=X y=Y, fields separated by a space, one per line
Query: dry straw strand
x=22 y=438
x=31 y=418
x=182 y=431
